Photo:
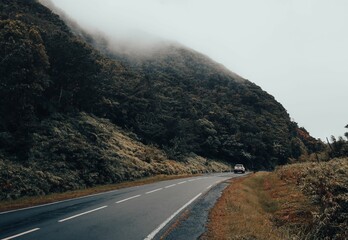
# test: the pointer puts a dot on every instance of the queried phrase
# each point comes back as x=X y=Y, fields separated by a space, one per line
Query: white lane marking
x=162 y=225
x=62 y=201
x=80 y=214
x=128 y=198
x=181 y=182
x=158 y=189
x=209 y=186
x=190 y=180
x=21 y=234
x=169 y=186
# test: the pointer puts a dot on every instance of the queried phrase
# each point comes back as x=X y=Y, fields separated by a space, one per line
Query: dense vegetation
x=62 y=100
x=326 y=183
x=339 y=147
x=184 y=102
x=323 y=177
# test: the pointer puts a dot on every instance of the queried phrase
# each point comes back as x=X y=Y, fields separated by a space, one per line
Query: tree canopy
x=174 y=98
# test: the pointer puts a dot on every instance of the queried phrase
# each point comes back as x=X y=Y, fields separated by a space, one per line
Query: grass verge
x=259 y=206
x=33 y=201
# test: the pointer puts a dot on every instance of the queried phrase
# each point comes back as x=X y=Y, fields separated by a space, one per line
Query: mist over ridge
x=285 y=47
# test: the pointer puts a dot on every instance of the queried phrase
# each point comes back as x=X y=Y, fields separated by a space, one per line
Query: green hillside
x=73 y=117
x=185 y=102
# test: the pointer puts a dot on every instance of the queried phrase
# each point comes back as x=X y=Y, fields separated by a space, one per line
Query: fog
x=296 y=50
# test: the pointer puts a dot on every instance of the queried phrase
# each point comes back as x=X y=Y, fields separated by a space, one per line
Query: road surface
x=130 y=213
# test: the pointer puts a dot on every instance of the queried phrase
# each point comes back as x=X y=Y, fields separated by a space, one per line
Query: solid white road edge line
x=21 y=234
x=77 y=215
x=169 y=186
x=162 y=225
x=158 y=189
x=128 y=198
x=209 y=187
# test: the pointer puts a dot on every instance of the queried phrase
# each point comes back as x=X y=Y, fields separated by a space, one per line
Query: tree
x=23 y=79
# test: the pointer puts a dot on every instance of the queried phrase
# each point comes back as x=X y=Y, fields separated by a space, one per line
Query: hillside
x=185 y=102
x=73 y=117
x=50 y=140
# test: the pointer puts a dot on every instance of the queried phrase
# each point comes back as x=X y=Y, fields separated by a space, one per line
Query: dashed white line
x=80 y=214
x=162 y=225
x=62 y=201
x=190 y=180
x=158 y=189
x=169 y=186
x=181 y=182
x=21 y=234
x=128 y=198
x=209 y=186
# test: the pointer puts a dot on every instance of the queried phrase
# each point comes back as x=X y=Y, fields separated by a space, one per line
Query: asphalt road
x=129 y=213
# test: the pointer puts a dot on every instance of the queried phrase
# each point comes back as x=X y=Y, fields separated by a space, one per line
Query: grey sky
x=296 y=50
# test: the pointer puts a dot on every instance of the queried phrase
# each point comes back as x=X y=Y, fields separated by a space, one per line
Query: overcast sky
x=296 y=50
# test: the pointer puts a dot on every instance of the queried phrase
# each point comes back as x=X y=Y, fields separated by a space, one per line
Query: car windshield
x=239 y=165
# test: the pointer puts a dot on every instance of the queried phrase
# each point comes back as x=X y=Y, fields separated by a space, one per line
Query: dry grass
x=32 y=201
x=326 y=184
x=260 y=206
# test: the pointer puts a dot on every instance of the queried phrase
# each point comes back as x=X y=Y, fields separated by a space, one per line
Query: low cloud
x=295 y=50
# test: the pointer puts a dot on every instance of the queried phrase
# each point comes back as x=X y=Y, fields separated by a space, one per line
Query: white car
x=239 y=168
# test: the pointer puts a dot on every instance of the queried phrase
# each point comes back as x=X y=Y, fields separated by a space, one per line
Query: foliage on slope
x=339 y=147
x=193 y=104
x=51 y=83
x=44 y=68
x=327 y=185
x=79 y=151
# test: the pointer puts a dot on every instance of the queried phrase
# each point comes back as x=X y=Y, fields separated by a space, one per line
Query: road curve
x=130 y=213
